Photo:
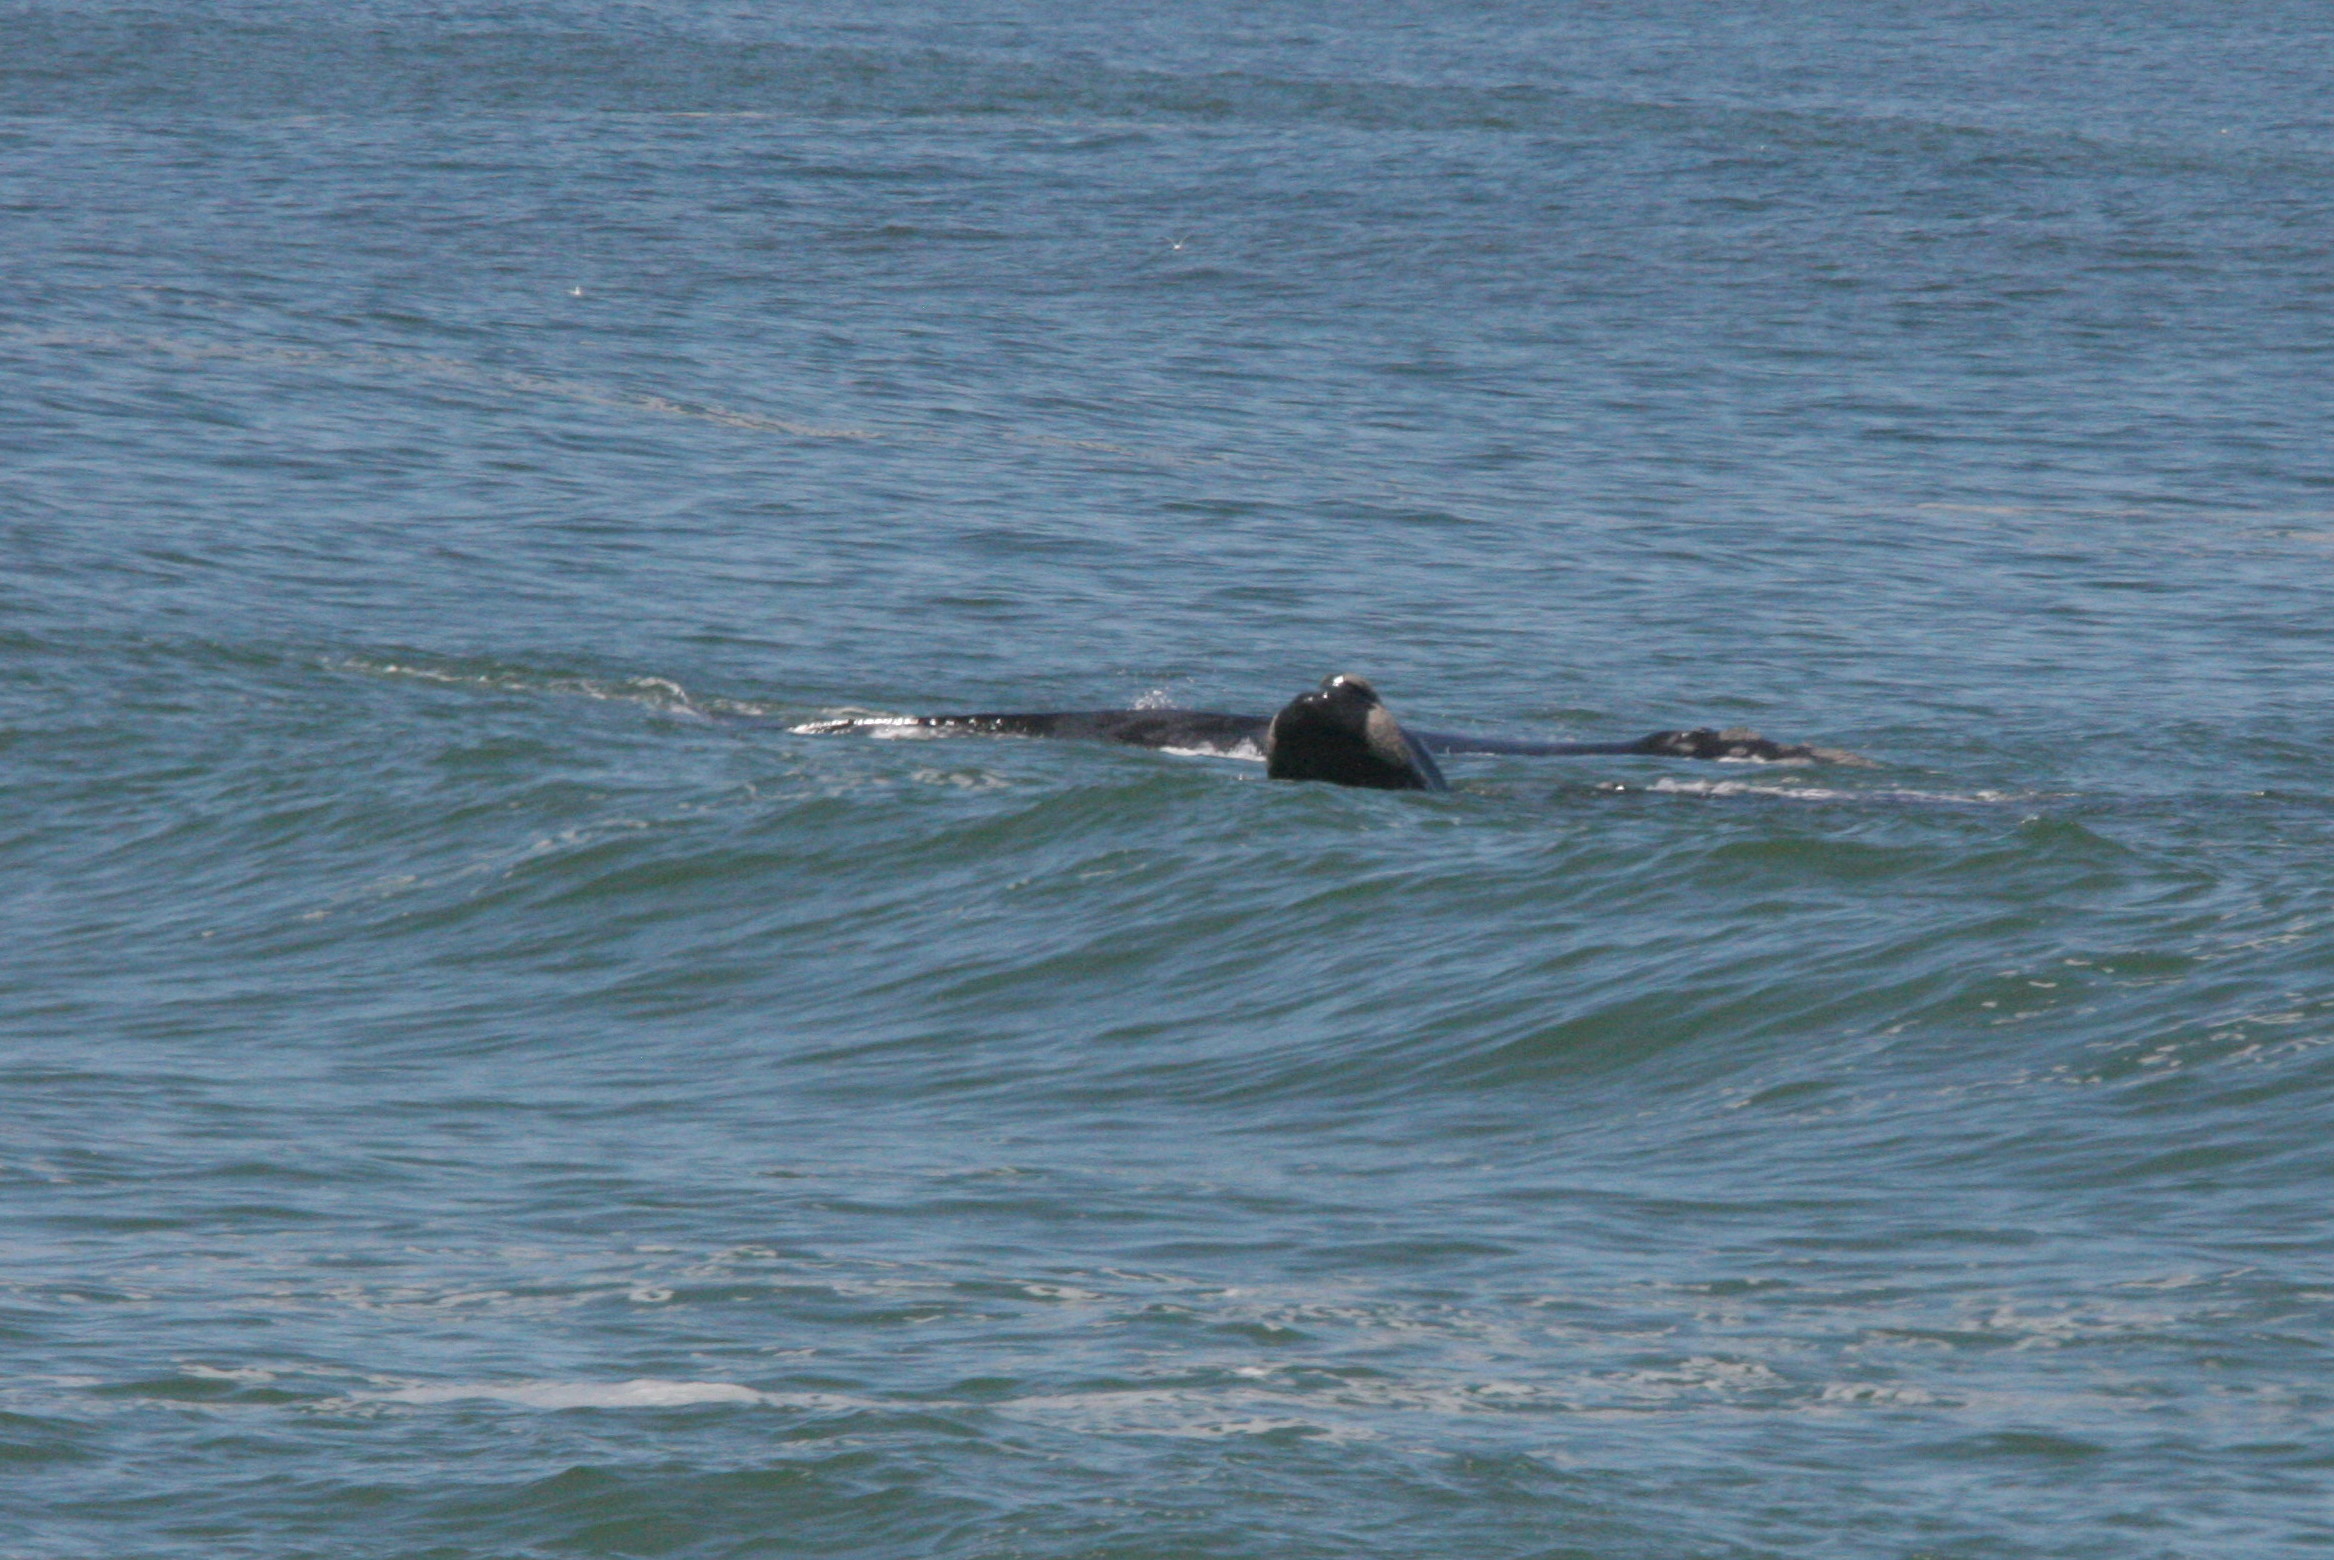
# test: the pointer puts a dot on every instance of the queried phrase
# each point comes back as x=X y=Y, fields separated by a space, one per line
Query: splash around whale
x=1340 y=732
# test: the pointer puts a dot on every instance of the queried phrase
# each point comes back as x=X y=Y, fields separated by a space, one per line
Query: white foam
x=1817 y=793
x=888 y=726
x=911 y=728
x=1873 y=1394
x=1244 y=750
x=660 y=693
x=1195 y=1415
x=642 y=1392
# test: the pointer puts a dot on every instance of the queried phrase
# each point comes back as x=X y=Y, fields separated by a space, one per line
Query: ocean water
x=475 y=1083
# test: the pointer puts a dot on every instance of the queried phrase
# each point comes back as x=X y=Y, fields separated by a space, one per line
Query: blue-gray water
x=473 y=1084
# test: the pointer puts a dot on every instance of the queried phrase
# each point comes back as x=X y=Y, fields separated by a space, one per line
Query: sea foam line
x=457 y=371
x=1817 y=793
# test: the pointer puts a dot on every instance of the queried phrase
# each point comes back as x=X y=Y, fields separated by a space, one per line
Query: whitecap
x=641 y=1392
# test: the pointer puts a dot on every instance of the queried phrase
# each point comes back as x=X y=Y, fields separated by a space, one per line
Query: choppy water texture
x=473 y=1083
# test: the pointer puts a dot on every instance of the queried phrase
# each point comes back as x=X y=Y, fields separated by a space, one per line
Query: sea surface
x=476 y=1084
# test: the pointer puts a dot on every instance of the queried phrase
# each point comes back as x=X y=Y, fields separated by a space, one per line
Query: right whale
x=1340 y=732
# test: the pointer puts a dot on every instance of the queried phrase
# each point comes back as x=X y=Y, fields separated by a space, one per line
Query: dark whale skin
x=1343 y=733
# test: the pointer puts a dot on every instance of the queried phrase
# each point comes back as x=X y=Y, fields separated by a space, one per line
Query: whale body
x=1340 y=732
